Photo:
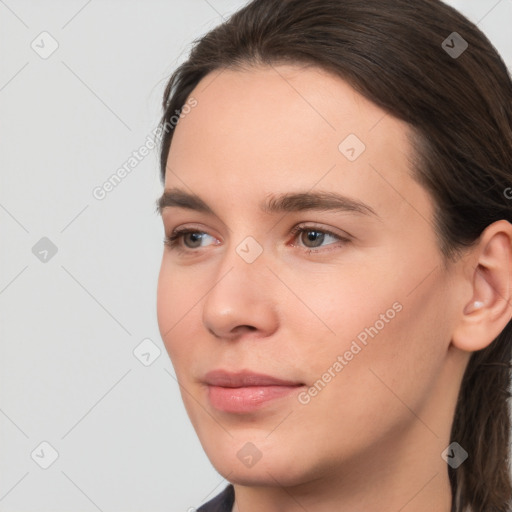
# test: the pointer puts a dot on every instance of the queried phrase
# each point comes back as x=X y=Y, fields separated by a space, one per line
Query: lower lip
x=248 y=399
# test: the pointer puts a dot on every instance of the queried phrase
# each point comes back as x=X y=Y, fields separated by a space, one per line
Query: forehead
x=297 y=103
x=264 y=129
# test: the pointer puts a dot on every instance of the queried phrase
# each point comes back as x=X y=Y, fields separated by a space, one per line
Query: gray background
x=69 y=324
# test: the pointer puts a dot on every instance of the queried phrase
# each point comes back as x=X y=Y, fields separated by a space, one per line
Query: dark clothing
x=223 y=502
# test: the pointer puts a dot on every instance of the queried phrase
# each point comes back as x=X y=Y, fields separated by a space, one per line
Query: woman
x=335 y=287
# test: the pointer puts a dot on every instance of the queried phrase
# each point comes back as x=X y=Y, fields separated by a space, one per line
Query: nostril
x=245 y=327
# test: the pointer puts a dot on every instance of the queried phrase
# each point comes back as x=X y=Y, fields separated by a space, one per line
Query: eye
x=312 y=237
x=187 y=239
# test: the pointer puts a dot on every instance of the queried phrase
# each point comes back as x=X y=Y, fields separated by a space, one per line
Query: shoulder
x=223 y=502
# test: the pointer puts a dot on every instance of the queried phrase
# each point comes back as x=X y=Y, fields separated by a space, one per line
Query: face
x=309 y=258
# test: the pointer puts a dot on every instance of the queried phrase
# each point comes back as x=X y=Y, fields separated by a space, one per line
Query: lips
x=244 y=379
x=246 y=391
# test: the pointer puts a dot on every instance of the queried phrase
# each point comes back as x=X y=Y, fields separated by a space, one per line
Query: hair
x=459 y=111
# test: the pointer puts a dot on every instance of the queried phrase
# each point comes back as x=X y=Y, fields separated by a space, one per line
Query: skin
x=372 y=438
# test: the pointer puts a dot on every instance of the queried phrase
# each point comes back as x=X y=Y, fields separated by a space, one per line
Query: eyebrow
x=274 y=203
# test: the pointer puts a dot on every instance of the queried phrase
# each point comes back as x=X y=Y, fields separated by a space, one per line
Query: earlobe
x=489 y=310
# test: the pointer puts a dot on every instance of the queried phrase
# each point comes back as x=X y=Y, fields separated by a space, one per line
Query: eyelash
x=173 y=241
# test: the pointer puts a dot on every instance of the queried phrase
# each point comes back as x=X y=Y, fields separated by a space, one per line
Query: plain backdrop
x=86 y=387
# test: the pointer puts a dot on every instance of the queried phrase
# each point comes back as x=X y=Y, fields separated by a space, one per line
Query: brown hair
x=459 y=111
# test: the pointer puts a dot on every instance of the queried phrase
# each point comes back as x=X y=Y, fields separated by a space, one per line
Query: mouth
x=245 y=392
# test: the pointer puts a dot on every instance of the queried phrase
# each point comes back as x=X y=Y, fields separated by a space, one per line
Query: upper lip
x=242 y=379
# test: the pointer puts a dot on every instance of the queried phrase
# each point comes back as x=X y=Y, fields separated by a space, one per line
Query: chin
x=277 y=465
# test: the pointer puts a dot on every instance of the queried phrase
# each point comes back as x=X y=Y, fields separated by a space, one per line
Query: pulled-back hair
x=459 y=109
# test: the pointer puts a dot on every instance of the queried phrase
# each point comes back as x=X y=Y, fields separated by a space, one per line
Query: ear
x=489 y=309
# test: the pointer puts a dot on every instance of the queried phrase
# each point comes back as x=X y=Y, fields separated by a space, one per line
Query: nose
x=241 y=300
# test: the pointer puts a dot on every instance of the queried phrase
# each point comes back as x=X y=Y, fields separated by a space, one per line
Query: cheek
x=403 y=358
x=381 y=323
x=373 y=381
x=340 y=303
x=177 y=300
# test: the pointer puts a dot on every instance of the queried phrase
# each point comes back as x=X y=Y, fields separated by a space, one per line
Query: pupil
x=314 y=236
x=195 y=239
